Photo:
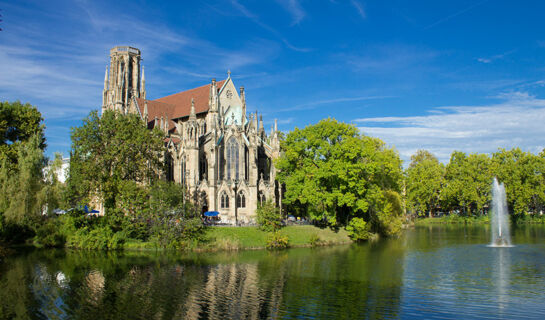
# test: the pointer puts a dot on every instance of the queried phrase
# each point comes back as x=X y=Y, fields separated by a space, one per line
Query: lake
x=428 y=272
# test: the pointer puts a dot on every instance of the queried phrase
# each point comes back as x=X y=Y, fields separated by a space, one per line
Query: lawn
x=252 y=238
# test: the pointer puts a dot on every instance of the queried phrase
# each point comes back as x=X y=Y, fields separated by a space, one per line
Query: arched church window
x=203 y=167
x=262 y=198
x=182 y=171
x=246 y=163
x=241 y=200
x=222 y=161
x=224 y=201
x=232 y=159
x=169 y=162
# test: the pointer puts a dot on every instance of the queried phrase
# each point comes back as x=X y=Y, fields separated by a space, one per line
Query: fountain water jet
x=499 y=222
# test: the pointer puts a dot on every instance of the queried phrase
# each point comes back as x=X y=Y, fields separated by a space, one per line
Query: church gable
x=230 y=103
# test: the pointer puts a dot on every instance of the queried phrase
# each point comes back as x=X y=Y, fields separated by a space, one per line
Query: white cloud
x=359 y=8
x=248 y=14
x=496 y=57
x=295 y=10
x=516 y=121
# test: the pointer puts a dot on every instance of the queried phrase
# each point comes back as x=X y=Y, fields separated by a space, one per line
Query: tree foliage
x=465 y=186
x=333 y=173
x=107 y=152
x=523 y=175
x=425 y=178
x=18 y=123
x=268 y=217
x=21 y=185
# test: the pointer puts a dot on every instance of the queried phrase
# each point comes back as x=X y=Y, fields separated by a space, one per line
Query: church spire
x=145 y=112
x=106 y=79
x=143 y=85
x=213 y=99
x=243 y=98
x=192 y=115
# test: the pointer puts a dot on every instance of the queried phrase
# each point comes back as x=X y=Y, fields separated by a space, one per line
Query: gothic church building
x=219 y=152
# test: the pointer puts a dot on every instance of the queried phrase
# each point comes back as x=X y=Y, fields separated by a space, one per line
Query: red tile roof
x=178 y=105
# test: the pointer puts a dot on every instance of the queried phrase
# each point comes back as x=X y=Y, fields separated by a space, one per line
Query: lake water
x=436 y=272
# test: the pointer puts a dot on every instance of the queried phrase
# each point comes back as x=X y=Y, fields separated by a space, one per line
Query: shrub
x=358 y=229
x=315 y=240
x=276 y=241
x=178 y=233
x=50 y=234
x=12 y=233
x=268 y=217
x=99 y=238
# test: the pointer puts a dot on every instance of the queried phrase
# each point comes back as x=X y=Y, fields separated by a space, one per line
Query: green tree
x=268 y=217
x=109 y=150
x=333 y=173
x=467 y=183
x=18 y=123
x=22 y=184
x=523 y=175
x=52 y=194
x=425 y=178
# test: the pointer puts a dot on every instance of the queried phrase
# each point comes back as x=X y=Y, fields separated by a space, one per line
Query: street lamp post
x=236 y=202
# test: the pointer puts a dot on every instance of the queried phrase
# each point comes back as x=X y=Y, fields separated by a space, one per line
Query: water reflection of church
x=215 y=148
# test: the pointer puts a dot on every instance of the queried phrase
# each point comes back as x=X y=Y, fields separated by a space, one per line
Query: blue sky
x=439 y=75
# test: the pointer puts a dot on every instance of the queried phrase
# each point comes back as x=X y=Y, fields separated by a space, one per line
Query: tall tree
x=467 y=182
x=523 y=176
x=334 y=173
x=425 y=177
x=111 y=149
x=18 y=123
x=22 y=184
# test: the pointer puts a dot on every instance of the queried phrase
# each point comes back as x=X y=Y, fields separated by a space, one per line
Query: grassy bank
x=227 y=238
x=455 y=219
x=244 y=238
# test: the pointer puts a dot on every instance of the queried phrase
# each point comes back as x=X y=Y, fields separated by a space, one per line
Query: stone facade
x=214 y=146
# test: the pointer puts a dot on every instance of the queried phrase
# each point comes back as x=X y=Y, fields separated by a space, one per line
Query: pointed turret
x=261 y=129
x=145 y=115
x=243 y=99
x=275 y=125
x=192 y=115
x=213 y=96
x=143 y=85
x=105 y=92
x=106 y=79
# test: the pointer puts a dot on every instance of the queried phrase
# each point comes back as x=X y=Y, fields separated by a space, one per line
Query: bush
x=178 y=233
x=358 y=229
x=99 y=238
x=268 y=217
x=276 y=241
x=50 y=234
x=12 y=233
x=315 y=240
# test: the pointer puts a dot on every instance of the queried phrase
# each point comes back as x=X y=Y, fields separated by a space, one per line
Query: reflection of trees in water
x=345 y=282
x=325 y=282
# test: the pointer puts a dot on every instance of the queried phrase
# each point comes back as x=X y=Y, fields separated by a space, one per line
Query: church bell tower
x=123 y=81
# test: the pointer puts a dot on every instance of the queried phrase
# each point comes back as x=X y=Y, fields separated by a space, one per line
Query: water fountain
x=499 y=223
